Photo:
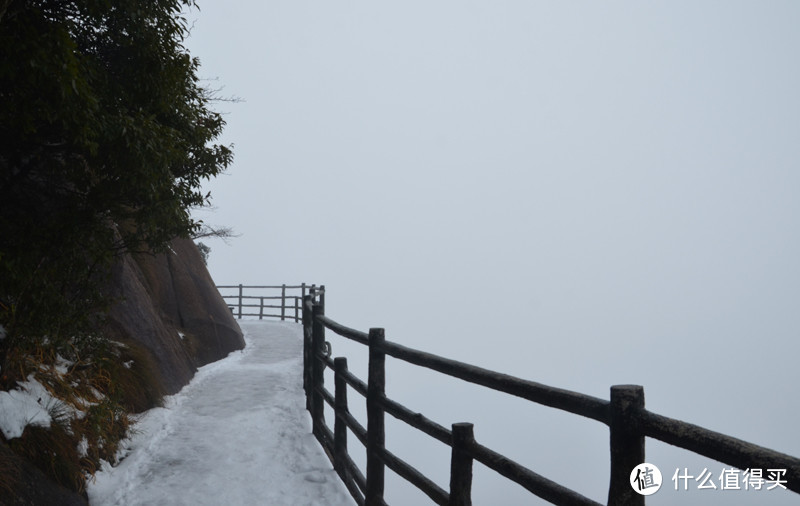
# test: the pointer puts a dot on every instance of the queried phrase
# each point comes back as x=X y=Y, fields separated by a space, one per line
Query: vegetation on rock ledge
x=105 y=138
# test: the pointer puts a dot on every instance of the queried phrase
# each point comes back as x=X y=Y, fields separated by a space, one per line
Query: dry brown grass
x=52 y=450
x=103 y=383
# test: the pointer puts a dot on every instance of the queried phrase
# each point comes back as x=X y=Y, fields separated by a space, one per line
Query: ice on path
x=237 y=434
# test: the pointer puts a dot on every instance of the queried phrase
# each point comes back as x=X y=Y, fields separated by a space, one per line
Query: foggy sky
x=580 y=194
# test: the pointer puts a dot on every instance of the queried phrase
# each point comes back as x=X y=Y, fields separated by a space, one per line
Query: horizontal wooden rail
x=246 y=298
x=353 y=334
x=416 y=478
x=396 y=464
x=535 y=483
x=417 y=420
x=720 y=447
x=262 y=316
x=293 y=287
x=259 y=306
x=629 y=424
x=264 y=297
x=584 y=405
x=566 y=400
x=327 y=397
x=318 y=322
x=357 y=482
x=354 y=382
x=358 y=430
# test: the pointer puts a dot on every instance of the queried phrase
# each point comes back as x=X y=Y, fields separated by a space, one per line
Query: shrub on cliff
x=105 y=137
x=105 y=134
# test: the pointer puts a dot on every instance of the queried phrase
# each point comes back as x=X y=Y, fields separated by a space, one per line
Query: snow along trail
x=238 y=434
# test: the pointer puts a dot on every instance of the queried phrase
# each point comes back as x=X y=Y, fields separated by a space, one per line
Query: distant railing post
x=376 y=435
x=283 y=302
x=317 y=371
x=240 y=301
x=308 y=319
x=339 y=425
x=296 y=309
x=261 y=309
x=461 y=465
x=627 y=443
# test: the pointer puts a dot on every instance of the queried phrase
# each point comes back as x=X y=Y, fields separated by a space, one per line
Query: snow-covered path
x=237 y=434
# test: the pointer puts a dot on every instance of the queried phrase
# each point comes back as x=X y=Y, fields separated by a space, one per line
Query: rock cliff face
x=169 y=304
x=167 y=307
x=30 y=486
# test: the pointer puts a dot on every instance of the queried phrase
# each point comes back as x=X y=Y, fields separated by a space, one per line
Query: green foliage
x=204 y=251
x=103 y=116
x=105 y=138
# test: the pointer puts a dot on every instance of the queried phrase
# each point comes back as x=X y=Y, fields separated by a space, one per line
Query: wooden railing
x=278 y=301
x=624 y=413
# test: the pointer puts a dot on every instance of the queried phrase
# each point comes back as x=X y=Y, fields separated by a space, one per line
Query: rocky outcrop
x=29 y=486
x=170 y=319
x=169 y=305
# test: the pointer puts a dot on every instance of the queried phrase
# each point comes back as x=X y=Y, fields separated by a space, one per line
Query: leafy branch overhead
x=104 y=116
x=106 y=135
x=223 y=233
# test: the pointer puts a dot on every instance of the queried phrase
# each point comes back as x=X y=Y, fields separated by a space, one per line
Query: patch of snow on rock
x=23 y=406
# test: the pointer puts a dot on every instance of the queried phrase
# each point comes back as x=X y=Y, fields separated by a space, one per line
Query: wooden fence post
x=308 y=319
x=376 y=435
x=627 y=443
x=240 y=301
x=296 y=309
x=461 y=465
x=317 y=371
x=283 y=302
x=261 y=309
x=339 y=425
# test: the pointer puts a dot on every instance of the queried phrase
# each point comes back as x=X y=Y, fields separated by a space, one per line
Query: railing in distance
x=283 y=302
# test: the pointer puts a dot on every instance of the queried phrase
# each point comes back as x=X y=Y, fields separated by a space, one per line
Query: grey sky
x=582 y=194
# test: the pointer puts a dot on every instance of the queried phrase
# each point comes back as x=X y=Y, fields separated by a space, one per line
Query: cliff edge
x=169 y=304
x=170 y=319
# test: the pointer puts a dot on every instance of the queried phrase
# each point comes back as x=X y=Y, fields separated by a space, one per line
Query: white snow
x=62 y=365
x=83 y=447
x=237 y=434
x=26 y=405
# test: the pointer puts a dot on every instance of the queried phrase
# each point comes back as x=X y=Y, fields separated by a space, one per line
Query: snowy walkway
x=238 y=434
